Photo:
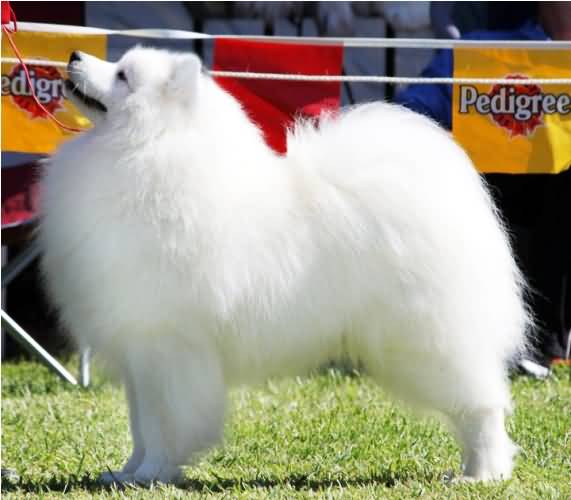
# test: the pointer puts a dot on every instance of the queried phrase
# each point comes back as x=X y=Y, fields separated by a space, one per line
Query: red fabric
x=273 y=104
x=19 y=194
x=6 y=14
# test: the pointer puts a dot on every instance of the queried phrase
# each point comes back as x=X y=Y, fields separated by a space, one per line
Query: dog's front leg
x=125 y=475
x=180 y=400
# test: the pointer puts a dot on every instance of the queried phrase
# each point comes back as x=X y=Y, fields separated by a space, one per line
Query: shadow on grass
x=56 y=484
x=298 y=482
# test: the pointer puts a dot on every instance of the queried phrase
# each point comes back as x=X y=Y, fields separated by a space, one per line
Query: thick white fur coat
x=192 y=257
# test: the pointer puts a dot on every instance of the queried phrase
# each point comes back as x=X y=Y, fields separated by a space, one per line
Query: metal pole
x=28 y=343
x=84 y=362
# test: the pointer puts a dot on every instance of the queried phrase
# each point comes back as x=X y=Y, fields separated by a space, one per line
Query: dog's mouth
x=88 y=101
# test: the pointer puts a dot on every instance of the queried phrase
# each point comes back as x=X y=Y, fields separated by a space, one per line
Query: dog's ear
x=185 y=74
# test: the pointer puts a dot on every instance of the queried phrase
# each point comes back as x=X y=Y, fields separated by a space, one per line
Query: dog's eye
x=121 y=76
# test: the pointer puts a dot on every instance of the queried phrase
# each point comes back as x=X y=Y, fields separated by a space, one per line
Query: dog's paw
x=109 y=478
x=463 y=479
x=148 y=474
x=450 y=477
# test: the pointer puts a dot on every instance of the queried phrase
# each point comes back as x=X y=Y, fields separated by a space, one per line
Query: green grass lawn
x=329 y=436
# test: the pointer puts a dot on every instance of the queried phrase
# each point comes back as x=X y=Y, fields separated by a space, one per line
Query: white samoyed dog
x=179 y=246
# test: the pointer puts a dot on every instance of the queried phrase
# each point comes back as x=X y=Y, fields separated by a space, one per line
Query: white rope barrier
x=390 y=79
x=412 y=43
x=345 y=78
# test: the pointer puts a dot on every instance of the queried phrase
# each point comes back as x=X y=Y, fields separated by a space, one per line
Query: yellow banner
x=519 y=128
x=25 y=127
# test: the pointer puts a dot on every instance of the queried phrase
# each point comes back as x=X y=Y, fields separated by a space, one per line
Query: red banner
x=273 y=104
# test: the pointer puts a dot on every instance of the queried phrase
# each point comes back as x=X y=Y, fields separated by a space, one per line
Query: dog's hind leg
x=180 y=396
x=478 y=419
x=472 y=394
x=488 y=450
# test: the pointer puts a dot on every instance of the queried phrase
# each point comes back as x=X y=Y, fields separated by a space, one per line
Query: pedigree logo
x=518 y=108
x=47 y=83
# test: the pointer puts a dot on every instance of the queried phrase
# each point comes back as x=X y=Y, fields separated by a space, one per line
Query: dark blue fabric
x=435 y=101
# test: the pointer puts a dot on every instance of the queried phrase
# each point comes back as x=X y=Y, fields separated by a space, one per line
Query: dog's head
x=142 y=81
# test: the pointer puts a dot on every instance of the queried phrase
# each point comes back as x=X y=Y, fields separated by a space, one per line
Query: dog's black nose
x=74 y=57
